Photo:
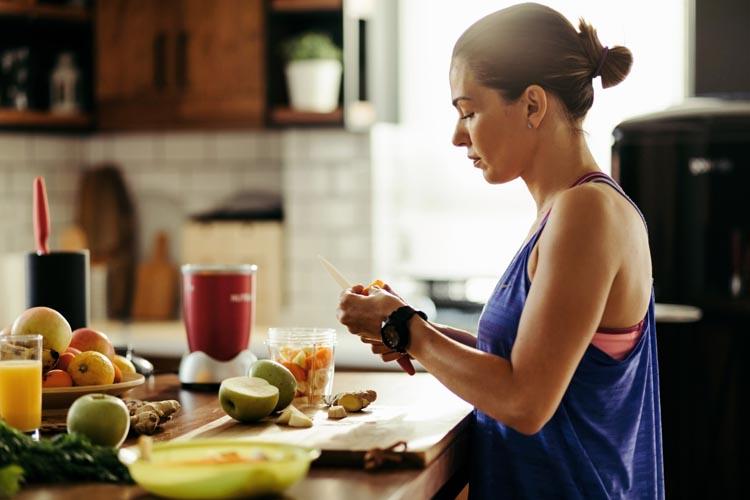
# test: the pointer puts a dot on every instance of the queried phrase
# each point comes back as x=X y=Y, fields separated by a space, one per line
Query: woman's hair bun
x=616 y=62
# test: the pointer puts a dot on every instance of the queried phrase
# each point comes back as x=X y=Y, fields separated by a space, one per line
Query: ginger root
x=336 y=412
x=354 y=401
x=147 y=416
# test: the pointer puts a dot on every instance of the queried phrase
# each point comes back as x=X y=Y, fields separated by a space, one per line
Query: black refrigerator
x=688 y=169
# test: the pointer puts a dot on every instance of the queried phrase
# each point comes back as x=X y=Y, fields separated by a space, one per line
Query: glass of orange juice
x=21 y=382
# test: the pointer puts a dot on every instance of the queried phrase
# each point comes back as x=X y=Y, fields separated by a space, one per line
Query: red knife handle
x=41 y=216
x=405 y=363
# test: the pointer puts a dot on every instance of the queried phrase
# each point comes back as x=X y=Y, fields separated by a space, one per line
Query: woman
x=563 y=372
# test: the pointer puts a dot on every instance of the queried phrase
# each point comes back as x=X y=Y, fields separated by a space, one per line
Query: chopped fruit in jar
x=301 y=360
x=322 y=358
x=299 y=373
x=301 y=389
x=287 y=353
x=319 y=380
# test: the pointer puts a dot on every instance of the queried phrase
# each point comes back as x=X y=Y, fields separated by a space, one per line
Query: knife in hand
x=339 y=278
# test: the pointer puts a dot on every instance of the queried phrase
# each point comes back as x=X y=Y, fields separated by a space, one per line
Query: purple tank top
x=603 y=441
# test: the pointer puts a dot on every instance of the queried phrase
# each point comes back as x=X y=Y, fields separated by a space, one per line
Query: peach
x=65 y=359
x=86 y=339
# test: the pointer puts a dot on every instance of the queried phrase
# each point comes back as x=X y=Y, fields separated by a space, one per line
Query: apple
x=278 y=376
x=86 y=339
x=102 y=418
x=247 y=399
x=51 y=325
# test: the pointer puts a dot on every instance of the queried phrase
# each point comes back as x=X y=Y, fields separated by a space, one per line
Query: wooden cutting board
x=156 y=284
x=428 y=424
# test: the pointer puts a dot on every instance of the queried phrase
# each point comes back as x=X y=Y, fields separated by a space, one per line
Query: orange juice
x=21 y=393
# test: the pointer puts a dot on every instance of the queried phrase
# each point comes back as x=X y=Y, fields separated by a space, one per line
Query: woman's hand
x=362 y=311
x=384 y=352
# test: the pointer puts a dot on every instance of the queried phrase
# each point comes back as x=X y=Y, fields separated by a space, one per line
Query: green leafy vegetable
x=64 y=458
x=10 y=479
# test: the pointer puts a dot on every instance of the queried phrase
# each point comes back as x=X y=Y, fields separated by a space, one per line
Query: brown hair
x=529 y=43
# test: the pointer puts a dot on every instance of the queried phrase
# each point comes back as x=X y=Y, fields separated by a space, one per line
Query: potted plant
x=313 y=72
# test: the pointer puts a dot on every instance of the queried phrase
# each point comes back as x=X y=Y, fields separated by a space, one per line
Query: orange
x=299 y=374
x=118 y=374
x=57 y=378
x=322 y=358
x=91 y=368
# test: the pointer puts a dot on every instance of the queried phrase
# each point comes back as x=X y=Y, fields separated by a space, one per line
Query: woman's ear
x=535 y=100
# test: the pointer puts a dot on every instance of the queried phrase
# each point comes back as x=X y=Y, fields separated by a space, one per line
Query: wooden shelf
x=11 y=118
x=287 y=116
x=305 y=5
x=72 y=14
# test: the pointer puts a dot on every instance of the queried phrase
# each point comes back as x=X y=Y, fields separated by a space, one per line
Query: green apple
x=102 y=418
x=247 y=399
x=51 y=325
x=278 y=376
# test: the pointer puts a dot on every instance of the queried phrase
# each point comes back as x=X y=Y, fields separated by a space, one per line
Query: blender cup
x=309 y=354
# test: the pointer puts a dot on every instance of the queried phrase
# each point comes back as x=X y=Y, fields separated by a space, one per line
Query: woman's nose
x=460 y=137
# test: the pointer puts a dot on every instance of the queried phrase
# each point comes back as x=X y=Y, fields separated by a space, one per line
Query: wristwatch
x=395 y=331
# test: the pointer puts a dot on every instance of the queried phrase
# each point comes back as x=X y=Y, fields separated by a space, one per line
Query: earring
x=529 y=125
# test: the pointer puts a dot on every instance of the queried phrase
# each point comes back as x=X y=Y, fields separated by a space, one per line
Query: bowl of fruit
x=74 y=362
x=216 y=468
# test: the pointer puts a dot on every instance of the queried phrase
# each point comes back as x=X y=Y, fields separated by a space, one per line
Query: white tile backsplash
x=187 y=146
x=324 y=177
x=14 y=147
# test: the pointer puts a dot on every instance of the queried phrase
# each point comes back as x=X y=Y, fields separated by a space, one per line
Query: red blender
x=218 y=310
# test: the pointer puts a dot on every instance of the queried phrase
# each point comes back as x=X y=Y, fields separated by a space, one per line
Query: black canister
x=60 y=280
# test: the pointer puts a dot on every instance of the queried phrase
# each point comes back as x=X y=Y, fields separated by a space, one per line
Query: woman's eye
x=467 y=116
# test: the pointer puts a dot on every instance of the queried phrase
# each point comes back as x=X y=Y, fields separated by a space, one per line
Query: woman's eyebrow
x=460 y=98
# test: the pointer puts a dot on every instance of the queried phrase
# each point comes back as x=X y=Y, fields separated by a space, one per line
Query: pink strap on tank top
x=616 y=342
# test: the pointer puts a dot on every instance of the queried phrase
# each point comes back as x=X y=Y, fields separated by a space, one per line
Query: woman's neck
x=562 y=157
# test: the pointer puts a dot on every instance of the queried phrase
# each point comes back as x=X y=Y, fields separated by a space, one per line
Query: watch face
x=390 y=336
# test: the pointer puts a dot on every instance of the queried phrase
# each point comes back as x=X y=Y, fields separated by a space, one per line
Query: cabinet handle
x=182 y=60
x=160 y=56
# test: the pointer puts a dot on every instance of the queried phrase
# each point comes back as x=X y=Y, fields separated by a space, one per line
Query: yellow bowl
x=175 y=469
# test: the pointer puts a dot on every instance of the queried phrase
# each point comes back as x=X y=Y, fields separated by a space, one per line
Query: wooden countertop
x=163 y=340
x=444 y=475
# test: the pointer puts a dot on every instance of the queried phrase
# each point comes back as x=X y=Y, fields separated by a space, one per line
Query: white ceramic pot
x=314 y=84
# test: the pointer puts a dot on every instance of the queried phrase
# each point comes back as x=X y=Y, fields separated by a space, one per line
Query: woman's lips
x=477 y=162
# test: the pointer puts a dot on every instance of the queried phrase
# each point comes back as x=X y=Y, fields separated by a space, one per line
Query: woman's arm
x=579 y=256
x=460 y=336
x=578 y=260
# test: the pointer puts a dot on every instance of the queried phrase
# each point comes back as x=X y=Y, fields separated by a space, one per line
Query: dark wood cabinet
x=133 y=87
x=33 y=35
x=180 y=64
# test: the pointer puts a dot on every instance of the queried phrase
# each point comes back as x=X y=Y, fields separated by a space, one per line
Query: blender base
x=199 y=371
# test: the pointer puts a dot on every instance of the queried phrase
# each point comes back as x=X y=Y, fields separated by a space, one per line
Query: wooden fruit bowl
x=63 y=397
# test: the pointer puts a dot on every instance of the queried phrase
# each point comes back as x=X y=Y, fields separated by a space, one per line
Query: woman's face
x=494 y=132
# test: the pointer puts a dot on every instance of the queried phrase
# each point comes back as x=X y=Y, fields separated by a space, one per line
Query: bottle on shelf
x=64 y=86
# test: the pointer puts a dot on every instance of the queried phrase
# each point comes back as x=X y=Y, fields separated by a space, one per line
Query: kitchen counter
x=168 y=340
x=443 y=475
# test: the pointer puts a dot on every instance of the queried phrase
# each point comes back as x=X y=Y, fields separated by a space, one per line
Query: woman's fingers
x=391 y=356
x=371 y=340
